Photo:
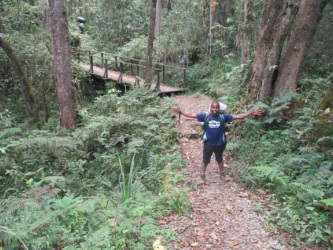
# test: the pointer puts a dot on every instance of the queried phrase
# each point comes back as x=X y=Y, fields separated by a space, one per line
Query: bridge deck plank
x=127 y=80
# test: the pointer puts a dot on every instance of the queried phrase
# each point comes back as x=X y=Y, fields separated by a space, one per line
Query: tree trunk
x=210 y=35
x=150 y=46
x=308 y=17
x=222 y=13
x=273 y=58
x=247 y=34
x=269 y=17
x=46 y=21
x=158 y=19
x=61 y=61
x=23 y=79
x=2 y=27
x=277 y=18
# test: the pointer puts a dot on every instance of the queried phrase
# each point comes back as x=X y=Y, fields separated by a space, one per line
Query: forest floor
x=222 y=214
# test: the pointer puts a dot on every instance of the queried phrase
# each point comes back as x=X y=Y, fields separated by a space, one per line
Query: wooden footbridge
x=130 y=72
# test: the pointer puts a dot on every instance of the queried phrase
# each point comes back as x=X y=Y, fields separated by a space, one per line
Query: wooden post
x=137 y=78
x=116 y=62
x=185 y=78
x=106 y=74
x=163 y=73
x=120 y=79
x=91 y=63
x=158 y=80
x=102 y=59
x=131 y=61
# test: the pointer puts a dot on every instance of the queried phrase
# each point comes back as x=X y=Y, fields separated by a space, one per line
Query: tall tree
x=222 y=17
x=277 y=19
x=2 y=27
x=61 y=61
x=150 y=45
x=158 y=19
x=23 y=79
x=308 y=17
x=248 y=30
x=46 y=21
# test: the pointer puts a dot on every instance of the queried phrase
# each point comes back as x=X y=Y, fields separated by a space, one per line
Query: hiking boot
x=222 y=176
x=203 y=177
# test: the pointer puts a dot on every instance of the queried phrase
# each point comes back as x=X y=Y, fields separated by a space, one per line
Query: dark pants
x=208 y=151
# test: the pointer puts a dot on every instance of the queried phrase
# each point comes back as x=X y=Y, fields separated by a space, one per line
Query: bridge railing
x=164 y=73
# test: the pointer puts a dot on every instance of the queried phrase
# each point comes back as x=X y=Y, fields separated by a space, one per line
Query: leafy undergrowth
x=98 y=187
x=282 y=156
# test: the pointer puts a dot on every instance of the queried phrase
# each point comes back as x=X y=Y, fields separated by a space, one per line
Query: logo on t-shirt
x=214 y=124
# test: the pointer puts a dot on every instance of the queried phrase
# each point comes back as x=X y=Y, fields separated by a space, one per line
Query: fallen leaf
x=113 y=223
x=243 y=195
x=233 y=243
x=213 y=236
x=157 y=245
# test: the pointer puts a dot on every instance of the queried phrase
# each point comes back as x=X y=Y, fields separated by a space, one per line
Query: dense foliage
x=93 y=187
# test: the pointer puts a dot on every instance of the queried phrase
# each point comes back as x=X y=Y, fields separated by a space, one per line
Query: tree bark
x=23 y=79
x=150 y=45
x=46 y=20
x=308 y=17
x=222 y=13
x=273 y=58
x=277 y=19
x=2 y=27
x=247 y=33
x=158 y=19
x=269 y=17
x=62 y=64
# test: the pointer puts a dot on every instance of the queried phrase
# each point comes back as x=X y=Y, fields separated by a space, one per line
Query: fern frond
x=233 y=146
x=9 y=231
x=284 y=97
x=9 y=132
x=325 y=139
x=271 y=173
x=328 y=202
x=313 y=192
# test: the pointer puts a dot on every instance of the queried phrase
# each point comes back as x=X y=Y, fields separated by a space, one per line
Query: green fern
x=9 y=132
x=274 y=174
x=313 y=192
x=325 y=139
x=328 y=202
x=233 y=146
x=9 y=231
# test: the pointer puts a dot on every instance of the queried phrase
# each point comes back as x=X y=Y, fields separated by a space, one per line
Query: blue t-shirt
x=214 y=128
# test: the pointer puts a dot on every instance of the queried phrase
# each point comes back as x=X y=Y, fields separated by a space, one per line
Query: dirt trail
x=222 y=215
